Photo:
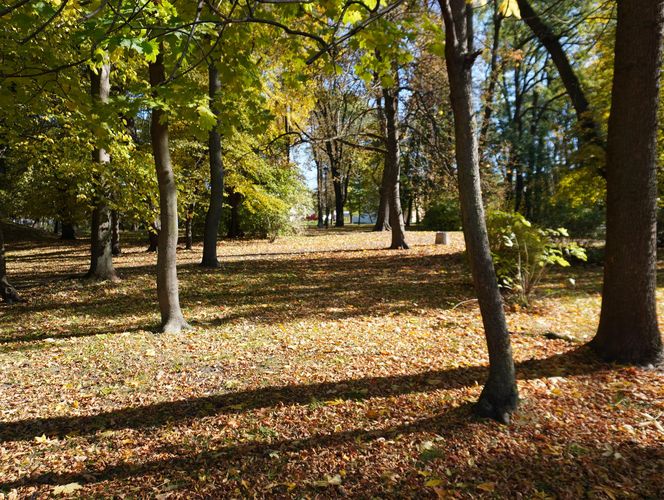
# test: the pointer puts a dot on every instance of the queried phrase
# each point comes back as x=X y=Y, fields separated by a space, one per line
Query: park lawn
x=320 y=365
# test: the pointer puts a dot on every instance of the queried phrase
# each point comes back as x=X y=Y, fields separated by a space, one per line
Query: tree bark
x=392 y=167
x=172 y=320
x=493 y=79
x=101 y=229
x=383 y=214
x=116 y=249
x=7 y=291
x=628 y=330
x=499 y=396
x=153 y=237
x=319 y=192
x=215 y=209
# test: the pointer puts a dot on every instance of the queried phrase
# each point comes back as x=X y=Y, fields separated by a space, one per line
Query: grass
x=319 y=366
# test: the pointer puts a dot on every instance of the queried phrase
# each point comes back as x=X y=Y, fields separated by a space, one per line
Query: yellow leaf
x=66 y=489
x=431 y=483
x=489 y=487
x=509 y=8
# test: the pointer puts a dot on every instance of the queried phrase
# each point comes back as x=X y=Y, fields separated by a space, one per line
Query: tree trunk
x=392 y=167
x=115 y=236
x=628 y=330
x=101 y=229
x=234 y=230
x=339 y=199
x=153 y=237
x=213 y=216
x=68 y=231
x=56 y=227
x=189 y=228
x=7 y=291
x=172 y=320
x=589 y=130
x=319 y=192
x=409 y=211
x=493 y=79
x=383 y=214
x=499 y=396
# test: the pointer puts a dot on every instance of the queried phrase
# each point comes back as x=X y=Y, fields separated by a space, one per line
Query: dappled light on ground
x=318 y=365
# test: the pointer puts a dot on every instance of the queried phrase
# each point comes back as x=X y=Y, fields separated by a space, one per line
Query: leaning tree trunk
x=628 y=330
x=172 y=320
x=7 y=291
x=499 y=396
x=392 y=167
x=213 y=215
x=101 y=249
x=116 y=249
x=589 y=130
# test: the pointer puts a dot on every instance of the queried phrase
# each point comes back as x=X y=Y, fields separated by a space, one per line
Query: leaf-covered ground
x=318 y=366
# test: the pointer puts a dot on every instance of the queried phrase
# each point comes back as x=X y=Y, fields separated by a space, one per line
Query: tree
x=101 y=230
x=628 y=329
x=172 y=320
x=7 y=291
x=213 y=215
x=499 y=396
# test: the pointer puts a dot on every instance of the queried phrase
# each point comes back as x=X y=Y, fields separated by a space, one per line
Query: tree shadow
x=575 y=362
x=268 y=290
x=449 y=421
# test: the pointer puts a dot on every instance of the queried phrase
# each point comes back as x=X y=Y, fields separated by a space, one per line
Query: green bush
x=522 y=252
x=443 y=215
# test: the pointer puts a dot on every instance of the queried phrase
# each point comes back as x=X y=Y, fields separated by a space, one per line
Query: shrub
x=443 y=215
x=522 y=252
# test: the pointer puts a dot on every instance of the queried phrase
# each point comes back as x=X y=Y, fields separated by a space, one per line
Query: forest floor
x=318 y=366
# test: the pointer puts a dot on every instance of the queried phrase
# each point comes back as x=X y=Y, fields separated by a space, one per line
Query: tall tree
x=628 y=330
x=499 y=396
x=213 y=216
x=7 y=291
x=172 y=320
x=101 y=230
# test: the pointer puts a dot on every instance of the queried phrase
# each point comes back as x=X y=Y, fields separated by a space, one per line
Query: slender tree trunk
x=319 y=194
x=339 y=199
x=392 y=167
x=115 y=236
x=215 y=209
x=153 y=237
x=68 y=231
x=499 y=396
x=493 y=79
x=628 y=330
x=189 y=228
x=172 y=320
x=409 y=211
x=589 y=130
x=56 y=227
x=234 y=230
x=7 y=291
x=101 y=230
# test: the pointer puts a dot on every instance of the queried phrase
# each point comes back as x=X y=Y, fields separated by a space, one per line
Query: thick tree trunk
x=172 y=320
x=7 y=291
x=628 y=330
x=499 y=396
x=68 y=231
x=116 y=249
x=392 y=167
x=383 y=214
x=215 y=209
x=589 y=130
x=101 y=229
